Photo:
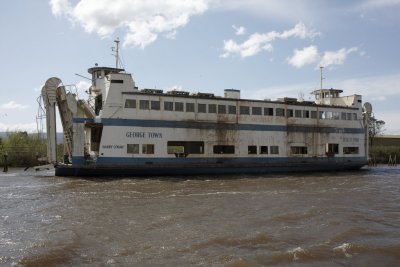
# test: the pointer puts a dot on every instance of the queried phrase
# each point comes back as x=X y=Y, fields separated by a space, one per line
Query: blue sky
x=265 y=48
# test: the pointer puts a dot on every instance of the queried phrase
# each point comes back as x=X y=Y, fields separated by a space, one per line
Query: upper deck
x=121 y=99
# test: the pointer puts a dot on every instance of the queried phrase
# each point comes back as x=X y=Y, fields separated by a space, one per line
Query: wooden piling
x=5 y=162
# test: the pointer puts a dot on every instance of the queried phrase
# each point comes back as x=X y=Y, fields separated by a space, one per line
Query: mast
x=116 y=50
x=322 y=78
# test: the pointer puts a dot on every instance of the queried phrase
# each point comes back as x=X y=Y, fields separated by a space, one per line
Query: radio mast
x=116 y=50
x=322 y=78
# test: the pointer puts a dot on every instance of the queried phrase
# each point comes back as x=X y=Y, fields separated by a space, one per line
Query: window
x=268 y=111
x=332 y=149
x=117 y=81
x=189 y=107
x=306 y=114
x=201 y=108
x=132 y=149
x=263 y=149
x=350 y=150
x=155 y=105
x=335 y=115
x=244 y=110
x=280 y=112
x=298 y=150
x=328 y=115
x=168 y=105
x=185 y=147
x=297 y=113
x=223 y=149
x=274 y=149
x=144 y=104
x=212 y=108
x=232 y=110
x=348 y=115
x=313 y=114
x=256 y=111
x=148 y=149
x=355 y=116
x=178 y=106
x=289 y=113
x=130 y=103
x=221 y=109
x=343 y=116
x=252 y=150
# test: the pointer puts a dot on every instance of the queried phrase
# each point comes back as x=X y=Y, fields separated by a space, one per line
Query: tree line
x=23 y=150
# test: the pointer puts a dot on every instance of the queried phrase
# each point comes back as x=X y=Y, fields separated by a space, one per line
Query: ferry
x=121 y=130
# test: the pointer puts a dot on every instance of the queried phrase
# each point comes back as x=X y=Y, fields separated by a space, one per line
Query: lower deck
x=162 y=167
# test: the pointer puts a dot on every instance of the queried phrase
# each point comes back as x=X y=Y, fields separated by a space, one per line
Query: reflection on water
x=348 y=218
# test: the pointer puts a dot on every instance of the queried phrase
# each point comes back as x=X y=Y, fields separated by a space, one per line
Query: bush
x=22 y=149
x=381 y=154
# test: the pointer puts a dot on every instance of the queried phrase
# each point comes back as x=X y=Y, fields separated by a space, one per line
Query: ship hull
x=115 y=170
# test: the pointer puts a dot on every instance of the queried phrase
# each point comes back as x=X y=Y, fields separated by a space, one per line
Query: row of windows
x=243 y=110
x=180 y=148
x=185 y=148
x=331 y=150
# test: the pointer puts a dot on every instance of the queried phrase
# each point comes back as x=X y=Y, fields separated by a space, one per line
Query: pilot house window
x=244 y=110
x=155 y=105
x=130 y=103
x=168 y=105
x=232 y=110
x=202 y=108
x=256 y=111
x=144 y=104
x=178 y=106
x=212 y=108
x=189 y=107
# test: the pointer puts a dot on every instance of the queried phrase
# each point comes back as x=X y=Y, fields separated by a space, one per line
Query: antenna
x=116 y=50
x=322 y=78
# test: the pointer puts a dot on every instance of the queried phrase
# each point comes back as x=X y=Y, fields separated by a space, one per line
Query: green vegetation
x=23 y=149
x=381 y=154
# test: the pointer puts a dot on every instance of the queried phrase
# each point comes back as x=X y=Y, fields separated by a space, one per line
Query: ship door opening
x=94 y=132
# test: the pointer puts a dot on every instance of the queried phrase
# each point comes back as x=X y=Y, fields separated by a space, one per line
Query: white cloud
x=239 y=30
x=82 y=87
x=258 y=42
x=336 y=57
x=143 y=20
x=59 y=7
x=307 y=55
x=310 y=55
x=13 y=105
x=174 y=88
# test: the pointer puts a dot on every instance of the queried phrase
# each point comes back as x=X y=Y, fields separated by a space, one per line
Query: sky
x=266 y=48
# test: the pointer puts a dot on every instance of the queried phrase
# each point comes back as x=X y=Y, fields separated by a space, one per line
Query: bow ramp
x=55 y=94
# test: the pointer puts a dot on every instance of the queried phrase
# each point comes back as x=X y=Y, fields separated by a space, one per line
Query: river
x=319 y=219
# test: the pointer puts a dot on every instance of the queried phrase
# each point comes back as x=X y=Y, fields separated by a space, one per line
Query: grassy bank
x=381 y=154
x=23 y=149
